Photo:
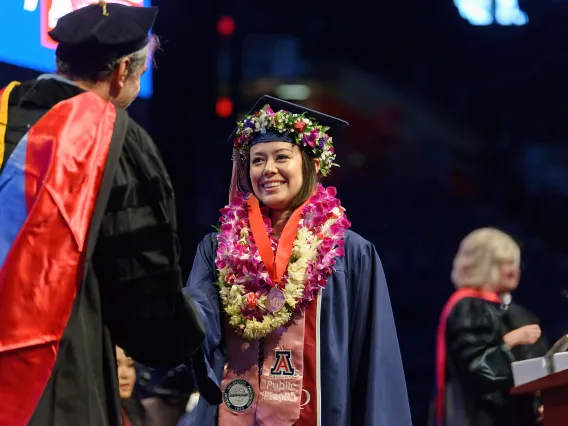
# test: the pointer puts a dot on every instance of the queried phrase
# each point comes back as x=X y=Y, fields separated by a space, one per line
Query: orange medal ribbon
x=275 y=264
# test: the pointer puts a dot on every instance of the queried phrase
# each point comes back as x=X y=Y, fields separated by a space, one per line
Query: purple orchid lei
x=244 y=284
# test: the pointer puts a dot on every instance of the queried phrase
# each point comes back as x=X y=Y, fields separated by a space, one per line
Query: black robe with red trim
x=479 y=375
x=128 y=283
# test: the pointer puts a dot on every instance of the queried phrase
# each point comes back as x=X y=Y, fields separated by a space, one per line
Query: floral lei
x=306 y=132
x=244 y=282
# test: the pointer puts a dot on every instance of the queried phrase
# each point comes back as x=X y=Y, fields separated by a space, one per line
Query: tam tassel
x=233 y=189
x=103 y=4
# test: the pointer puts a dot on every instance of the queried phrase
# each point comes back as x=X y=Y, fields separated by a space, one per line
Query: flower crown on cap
x=306 y=133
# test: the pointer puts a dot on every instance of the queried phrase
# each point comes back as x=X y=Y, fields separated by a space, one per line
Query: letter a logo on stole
x=283 y=364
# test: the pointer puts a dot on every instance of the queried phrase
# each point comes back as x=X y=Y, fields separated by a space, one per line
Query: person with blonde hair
x=481 y=333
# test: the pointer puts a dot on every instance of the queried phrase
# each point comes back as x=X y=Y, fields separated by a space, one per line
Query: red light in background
x=224 y=107
x=226 y=25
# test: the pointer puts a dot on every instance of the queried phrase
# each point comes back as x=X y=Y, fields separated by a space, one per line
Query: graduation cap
x=279 y=104
x=101 y=33
x=310 y=135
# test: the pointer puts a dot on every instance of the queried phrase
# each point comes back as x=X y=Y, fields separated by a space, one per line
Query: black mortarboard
x=89 y=34
x=279 y=104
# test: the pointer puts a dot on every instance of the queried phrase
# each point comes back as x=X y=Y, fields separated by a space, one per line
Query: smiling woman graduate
x=299 y=324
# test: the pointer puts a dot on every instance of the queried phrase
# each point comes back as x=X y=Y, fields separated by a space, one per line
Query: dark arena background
x=457 y=114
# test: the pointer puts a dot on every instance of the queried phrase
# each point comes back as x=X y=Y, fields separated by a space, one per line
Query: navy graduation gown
x=362 y=380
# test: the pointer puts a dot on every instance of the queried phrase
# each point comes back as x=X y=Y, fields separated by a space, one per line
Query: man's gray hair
x=101 y=72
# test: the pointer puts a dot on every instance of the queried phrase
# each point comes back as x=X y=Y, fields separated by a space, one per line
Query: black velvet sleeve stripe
x=143 y=263
x=125 y=197
x=147 y=286
x=159 y=237
x=134 y=220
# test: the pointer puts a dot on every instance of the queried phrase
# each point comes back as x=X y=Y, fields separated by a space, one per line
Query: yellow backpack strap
x=4 y=97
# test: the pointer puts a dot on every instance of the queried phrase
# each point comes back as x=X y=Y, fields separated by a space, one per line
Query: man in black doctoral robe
x=88 y=240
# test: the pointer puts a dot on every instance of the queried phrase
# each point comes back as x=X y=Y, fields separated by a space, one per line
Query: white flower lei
x=243 y=281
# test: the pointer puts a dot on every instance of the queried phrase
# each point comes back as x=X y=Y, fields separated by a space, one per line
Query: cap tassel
x=103 y=4
x=234 y=179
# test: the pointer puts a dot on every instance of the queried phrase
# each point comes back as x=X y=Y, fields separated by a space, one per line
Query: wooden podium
x=553 y=395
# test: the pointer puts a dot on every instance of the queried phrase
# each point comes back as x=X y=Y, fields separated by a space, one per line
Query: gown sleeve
x=202 y=289
x=136 y=261
x=379 y=394
x=476 y=347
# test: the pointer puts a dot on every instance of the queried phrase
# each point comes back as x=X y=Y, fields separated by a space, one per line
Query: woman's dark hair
x=309 y=181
